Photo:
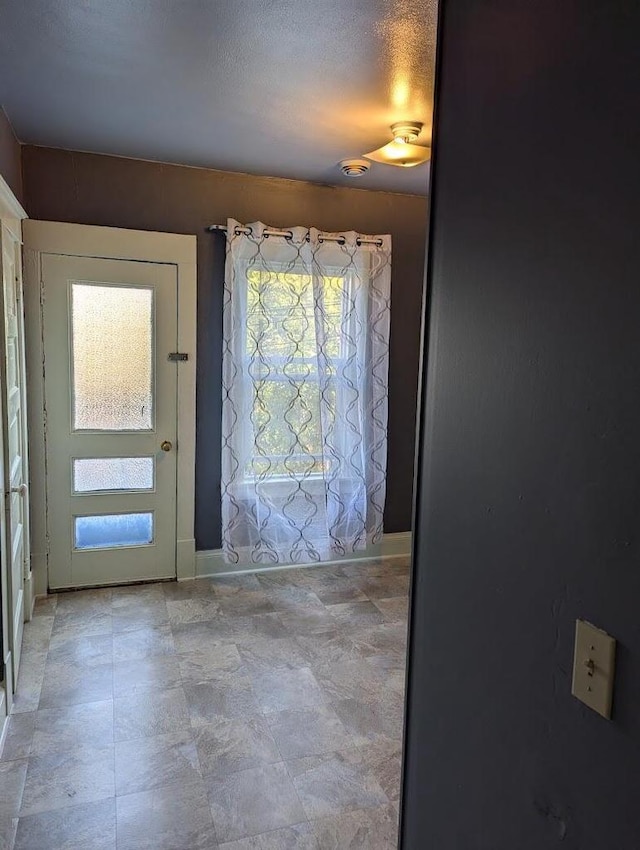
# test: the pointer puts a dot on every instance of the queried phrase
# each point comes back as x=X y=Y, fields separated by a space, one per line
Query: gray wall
x=528 y=513
x=10 y=157
x=90 y=189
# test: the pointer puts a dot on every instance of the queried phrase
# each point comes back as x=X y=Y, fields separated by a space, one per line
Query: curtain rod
x=324 y=237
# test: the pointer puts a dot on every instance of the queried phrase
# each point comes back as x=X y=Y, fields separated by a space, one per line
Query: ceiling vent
x=354 y=167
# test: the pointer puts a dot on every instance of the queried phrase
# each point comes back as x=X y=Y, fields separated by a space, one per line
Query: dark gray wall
x=528 y=513
x=10 y=157
x=91 y=189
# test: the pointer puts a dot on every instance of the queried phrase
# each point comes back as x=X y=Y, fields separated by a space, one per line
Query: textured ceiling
x=278 y=87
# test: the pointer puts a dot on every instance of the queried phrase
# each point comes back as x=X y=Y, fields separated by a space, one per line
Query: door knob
x=166 y=446
x=21 y=488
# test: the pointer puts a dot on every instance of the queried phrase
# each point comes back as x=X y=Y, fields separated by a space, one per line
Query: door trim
x=12 y=215
x=10 y=206
x=111 y=243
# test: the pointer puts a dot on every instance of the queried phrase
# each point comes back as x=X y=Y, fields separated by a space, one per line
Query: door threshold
x=52 y=590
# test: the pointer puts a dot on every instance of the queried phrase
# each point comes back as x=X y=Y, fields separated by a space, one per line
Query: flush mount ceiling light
x=400 y=151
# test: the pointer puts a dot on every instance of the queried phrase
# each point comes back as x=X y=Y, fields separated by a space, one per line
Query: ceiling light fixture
x=406 y=131
x=400 y=151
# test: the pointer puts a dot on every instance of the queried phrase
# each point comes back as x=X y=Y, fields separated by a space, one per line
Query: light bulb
x=406 y=131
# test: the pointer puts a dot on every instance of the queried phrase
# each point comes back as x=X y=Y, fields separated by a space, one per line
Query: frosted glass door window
x=112 y=357
x=106 y=531
x=96 y=474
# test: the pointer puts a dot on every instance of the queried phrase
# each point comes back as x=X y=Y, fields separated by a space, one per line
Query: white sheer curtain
x=304 y=409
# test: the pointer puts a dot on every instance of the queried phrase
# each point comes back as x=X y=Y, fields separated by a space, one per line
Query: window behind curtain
x=283 y=358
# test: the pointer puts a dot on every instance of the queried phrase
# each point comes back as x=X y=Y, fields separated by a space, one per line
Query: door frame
x=111 y=243
x=12 y=215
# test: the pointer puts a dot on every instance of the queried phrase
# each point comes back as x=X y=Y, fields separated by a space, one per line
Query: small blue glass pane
x=109 y=530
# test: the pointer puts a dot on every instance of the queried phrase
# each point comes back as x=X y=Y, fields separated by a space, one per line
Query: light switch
x=593 y=667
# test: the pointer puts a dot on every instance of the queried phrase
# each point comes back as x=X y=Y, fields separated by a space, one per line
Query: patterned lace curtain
x=304 y=409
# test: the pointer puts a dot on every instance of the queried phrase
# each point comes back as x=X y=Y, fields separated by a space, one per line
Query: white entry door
x=109 y=327
x=16 y=544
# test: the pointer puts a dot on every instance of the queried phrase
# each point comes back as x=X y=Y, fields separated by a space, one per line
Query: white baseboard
x=4 y=717
x=186 y=559
x=39 y=573
x=211 y=562
x=29 y=597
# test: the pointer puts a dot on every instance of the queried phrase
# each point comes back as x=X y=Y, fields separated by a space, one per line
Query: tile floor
x=260 y=712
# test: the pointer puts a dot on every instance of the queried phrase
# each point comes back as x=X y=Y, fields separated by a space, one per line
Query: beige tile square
x=253 y=801
x=58 y=780
x=150 y=713
x=175 y=817
x=156 y=761
x=89 y=826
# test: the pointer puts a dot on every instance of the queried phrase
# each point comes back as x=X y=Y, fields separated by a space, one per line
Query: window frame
x=347 y=287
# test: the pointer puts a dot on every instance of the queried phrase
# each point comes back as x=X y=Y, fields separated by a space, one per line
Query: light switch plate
x=593 y=667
